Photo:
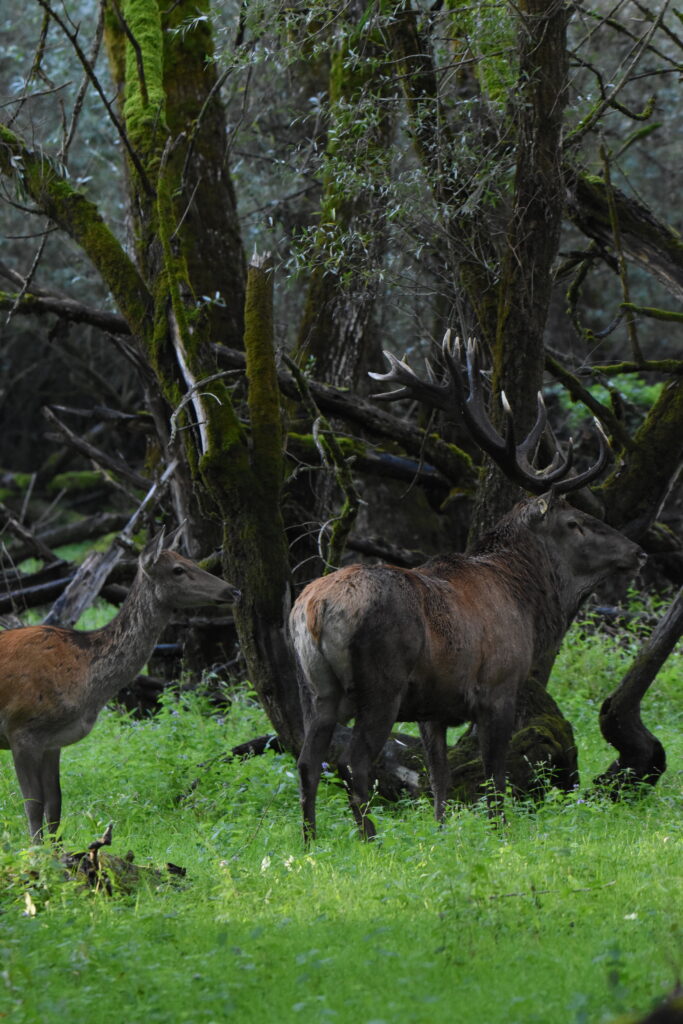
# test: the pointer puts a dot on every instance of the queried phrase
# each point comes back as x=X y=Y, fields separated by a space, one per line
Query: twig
x=639 y=50
x=29 y=277
x=83 y=88
x=621 y=259
x=91 y=575
x=72 y=37
x=544 y=892
x=24 y=534
x=96 y=454
x=187 y=398
x=332 y=456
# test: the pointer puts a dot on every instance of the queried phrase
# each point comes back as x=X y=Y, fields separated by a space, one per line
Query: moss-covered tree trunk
x=464 y=245
x=533 y=234
x=244 y=480
x=186 y=245
x=336 y=333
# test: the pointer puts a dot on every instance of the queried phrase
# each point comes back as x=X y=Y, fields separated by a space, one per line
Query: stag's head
x=583 y=548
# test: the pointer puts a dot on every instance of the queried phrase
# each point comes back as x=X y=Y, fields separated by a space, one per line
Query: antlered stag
x=450 y=641
x=54 y=682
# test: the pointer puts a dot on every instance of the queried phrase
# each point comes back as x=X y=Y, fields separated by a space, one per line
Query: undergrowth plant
x=571 y=913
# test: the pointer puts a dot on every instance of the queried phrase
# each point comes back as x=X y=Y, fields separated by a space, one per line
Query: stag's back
x=433 y=636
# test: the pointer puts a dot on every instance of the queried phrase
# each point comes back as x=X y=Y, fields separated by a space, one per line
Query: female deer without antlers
x=54 y=682
x=453 y=640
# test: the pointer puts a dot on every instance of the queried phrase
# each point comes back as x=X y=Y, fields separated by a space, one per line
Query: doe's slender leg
x=52 y=791
x=27 y=763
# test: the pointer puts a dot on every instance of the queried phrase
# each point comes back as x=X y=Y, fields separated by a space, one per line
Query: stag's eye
x=574 y=524
x=178 y=570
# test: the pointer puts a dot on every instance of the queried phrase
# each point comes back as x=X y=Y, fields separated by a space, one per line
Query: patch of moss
x=74 y=481
x=144 y=105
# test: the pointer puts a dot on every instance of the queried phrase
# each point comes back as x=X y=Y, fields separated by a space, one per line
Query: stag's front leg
x=434 y=741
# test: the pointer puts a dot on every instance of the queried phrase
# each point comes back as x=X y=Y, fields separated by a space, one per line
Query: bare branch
x=90 y=72
x=91 y=452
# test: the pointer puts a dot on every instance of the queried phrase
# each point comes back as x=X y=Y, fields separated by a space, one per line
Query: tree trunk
x=641 y=756
x=336 y=330
x=533 y=236
x=244 y=481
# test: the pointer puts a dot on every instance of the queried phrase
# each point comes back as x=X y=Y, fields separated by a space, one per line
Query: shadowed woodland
x=215 y=218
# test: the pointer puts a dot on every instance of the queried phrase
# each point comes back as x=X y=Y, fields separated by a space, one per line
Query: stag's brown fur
x=443 y=644
x=54 y=682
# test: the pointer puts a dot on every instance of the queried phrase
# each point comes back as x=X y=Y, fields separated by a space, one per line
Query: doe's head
x=179 y=582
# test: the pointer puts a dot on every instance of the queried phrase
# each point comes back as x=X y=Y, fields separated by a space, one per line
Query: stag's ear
x=536 y=510
x=153 y=549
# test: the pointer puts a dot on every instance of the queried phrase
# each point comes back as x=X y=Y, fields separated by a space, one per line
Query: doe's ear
x=176 y=537
x=153 y=548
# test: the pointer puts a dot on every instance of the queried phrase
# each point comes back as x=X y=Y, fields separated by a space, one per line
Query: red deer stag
x=450 y=641
x=54 y=682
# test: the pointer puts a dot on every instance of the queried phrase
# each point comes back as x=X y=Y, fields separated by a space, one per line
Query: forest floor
x=571 y=913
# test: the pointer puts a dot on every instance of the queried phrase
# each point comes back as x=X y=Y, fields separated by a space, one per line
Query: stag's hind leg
x=370 y=733
x=316 y=744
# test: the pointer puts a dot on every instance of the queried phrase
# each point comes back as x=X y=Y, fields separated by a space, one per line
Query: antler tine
x=399 y=372
x=526 y=449
x=514 y=459
x=473 y=408
x=573 y=483
x=439 y=396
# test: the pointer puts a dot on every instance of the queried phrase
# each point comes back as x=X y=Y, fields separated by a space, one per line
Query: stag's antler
x=514 y=459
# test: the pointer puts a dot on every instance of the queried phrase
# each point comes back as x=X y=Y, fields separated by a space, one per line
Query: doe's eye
x=178 y=570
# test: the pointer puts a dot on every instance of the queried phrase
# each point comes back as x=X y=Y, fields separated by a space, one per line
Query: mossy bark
x=337 y=333
x=637 y=488
x=645 y=240
x=244 y=480
x=80 y=218
x=533 y=234
x=467 y=253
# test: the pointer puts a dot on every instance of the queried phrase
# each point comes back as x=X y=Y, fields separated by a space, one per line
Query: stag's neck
x=531 y=574
x=123 y=647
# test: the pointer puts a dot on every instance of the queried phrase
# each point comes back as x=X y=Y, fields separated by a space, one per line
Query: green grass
x=570 y=914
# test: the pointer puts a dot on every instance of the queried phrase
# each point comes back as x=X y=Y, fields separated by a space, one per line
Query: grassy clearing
x=571 y=915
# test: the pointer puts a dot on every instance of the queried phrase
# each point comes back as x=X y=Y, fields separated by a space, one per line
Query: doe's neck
x=123 y=647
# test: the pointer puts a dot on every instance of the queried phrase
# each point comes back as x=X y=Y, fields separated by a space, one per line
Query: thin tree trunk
x=641 y=756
